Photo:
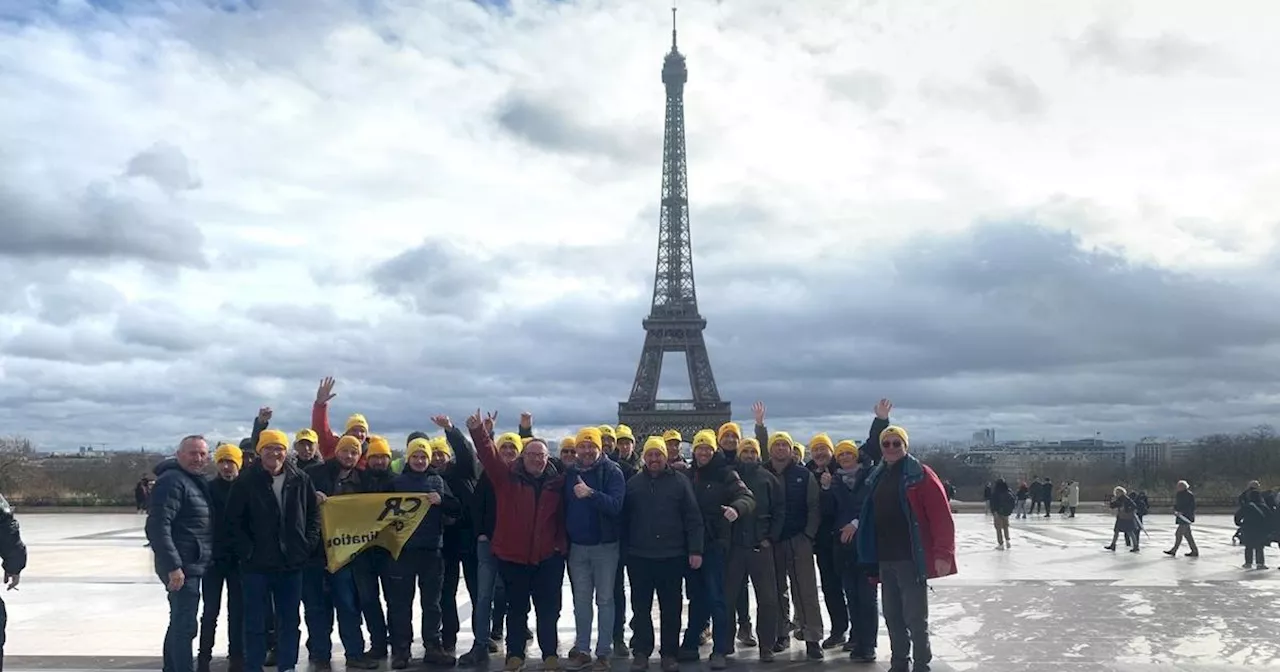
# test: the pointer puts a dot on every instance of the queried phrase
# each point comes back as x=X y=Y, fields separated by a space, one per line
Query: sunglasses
x=891 y=444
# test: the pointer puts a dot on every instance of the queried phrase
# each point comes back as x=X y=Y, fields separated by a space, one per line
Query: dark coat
x=767 y=519
x=224 y=552
x=12 y=550
x=461 y=476
x=660 y=517
x=596 y=519
x=717 y=485
x=270 y=538
x=804 y=512
x=430 y=531
x=1184 y=504
x=484 y=508
x=179 y=521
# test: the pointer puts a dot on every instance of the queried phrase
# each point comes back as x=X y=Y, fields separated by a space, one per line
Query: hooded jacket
x=716 y=485
x=529 y=525
x=924 y=502
x=180 y=521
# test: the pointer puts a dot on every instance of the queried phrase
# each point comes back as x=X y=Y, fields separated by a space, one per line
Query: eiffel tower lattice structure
x=674 y=323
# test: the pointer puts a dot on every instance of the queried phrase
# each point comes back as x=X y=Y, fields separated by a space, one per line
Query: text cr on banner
x=352 y=523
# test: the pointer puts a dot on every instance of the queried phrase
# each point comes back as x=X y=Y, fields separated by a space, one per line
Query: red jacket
x=328 y=440
x=530 y=515
x=924 y=501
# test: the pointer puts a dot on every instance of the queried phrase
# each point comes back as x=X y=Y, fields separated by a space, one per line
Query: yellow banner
x=352 y=523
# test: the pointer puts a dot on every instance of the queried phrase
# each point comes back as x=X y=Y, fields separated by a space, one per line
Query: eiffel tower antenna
x=674 y=323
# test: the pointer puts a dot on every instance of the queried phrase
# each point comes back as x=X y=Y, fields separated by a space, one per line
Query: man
x=722 y=498
x=529 y=539
x=628 y=460
x=455 y=460
x=608 y=438
x=751 y=553
x=793 y=554
x=274 y=516
x=905 y=528
x=420 y=565
x=823 y=468
x=568 y=452
x=323 y=592
x=491 y=596
x=372 y=566
x=593 y=493
x=673 y=439
x=727 y=437
x=663 y=532
x=306 y=453
x=356 y=424
x=849 y=489
x=14 y=554
x=180 y=531
x=224 y=571
x=1184 y=514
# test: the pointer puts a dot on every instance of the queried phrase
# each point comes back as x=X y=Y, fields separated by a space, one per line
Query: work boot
x=640 y=664
x=362 y=663
x=813 y=651
x=705 y=637
x=477 y=657
x=550 y=663
x=620 y=648
x=577 y=660
x=514 y=664
x=744 y=635
x=436 y=655
x=670 y=664
x=718 y=661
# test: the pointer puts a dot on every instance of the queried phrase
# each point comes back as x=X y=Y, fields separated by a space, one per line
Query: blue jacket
x=180 y=521
x=430 y=532
x=596 y=519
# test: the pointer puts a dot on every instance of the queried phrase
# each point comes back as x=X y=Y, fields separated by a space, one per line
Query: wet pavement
x=90 y=601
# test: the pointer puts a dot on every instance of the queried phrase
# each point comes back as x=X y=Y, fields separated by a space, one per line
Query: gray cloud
x=867 y=88
x=544 y=124
x=436 y=278
x=998 y=90
x=165 y=165
x=1165 y=54
x=78 y=297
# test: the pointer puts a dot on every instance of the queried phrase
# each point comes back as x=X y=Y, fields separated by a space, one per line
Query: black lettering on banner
x=399 y=507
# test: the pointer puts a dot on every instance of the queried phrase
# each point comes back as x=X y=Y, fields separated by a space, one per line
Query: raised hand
x=757 y=409
x=490 y=421
x=442 y=421
x=264 y=414
x=526 y=419
x=581 y=490
x=324 y=393
x=475 y=421
x=883 y=408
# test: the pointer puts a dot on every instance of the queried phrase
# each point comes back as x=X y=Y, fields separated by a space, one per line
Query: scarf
x=849 y=476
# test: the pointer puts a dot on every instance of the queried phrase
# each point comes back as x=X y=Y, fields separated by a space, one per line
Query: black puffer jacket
x=267 y=539
x=717 y=485
x=179 y=521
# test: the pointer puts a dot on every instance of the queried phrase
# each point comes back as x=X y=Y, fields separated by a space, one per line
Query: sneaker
x=718 y=662
x=670 y=664
x=577 y=660
x=640 y=664
x=781 y=645
x=362 y=663
x=1171 y=553
x=744 y=635
x=999 y=547
x=602 y=664
x=833 y=641
x=514 y=664
x=766 y=655
x=437 y=656
x=1008 y=544
x=812 y=651
x=551 y=663
x=475 y=657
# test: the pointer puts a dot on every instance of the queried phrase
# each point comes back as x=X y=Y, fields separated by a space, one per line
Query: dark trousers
x=649 y=576
x=756 y=563
x=323 y=594
x=420 y=570
x=860 y=596
x=184 y=608
x=744 y=605
x=832 y=586
x=453 y=559
x=542 y=584
x=1255 y=555
x=270 y=615
x=4 y=625
x=906 y=614
x=283 y=592
x=707 y=603
x=216 y=577
x=373 y=578
x=619 y=601
x=1035 y=506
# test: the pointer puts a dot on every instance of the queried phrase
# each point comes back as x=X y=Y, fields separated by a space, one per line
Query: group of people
x=510 y=518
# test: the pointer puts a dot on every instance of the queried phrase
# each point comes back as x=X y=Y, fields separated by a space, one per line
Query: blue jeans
x=594 y=569
x=707 y=603
x=322 y=594
x=491 y=597
x=285 y=592
x=184 y=607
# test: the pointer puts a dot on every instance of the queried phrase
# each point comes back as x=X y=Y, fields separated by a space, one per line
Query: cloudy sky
x=1054 y=219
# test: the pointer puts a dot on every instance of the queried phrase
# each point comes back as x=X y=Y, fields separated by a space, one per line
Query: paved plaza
x=1057 y=600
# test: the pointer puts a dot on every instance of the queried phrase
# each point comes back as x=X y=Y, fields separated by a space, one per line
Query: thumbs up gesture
x=582 y=490
x=730 y=513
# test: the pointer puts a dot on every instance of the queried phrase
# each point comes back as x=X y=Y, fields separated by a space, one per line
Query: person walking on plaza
x=723 y=498
x=14 y=555
x=1002 y=503
x=223 y=572
x=1073 y=498
x=1184 y=514
x=274 y=516
x=593 y=494
x=1254 y=520
x=751 y=550
x=662 y=529
x=906 y=530
x=528 y=540
x=325 y=592
x=180 y=531
x=1126 y=520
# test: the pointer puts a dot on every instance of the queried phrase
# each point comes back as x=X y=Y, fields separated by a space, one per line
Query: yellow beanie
x=623 y=432
x=349 y=443
x=590 y=435
x=441 y=445
x=672 y=435
x=356 y=420
x=894 y=430
x=272 y=437
x=606 y=430
x=229 y=452
x=778 y=437
x=821 y=439
x=377 y=446
x=568 y=443
x=846 y=446
x=728 y=428
x=706 y=438
x=654 y=443
x=750 y=445
x=306 y=435
x=511 y=438
x=418 y=446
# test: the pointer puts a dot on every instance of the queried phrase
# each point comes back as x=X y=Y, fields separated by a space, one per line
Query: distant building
x=1157 y=452
x=984 y=437
x=1019 y=458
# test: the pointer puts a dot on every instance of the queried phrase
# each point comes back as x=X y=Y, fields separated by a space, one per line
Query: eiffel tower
x=674 y=324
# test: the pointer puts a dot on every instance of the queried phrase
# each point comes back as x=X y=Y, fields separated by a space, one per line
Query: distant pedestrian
x=1253 y=518
x=180 y=531
x=14 y=554
x=1184 y=514
x=1002 y=503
